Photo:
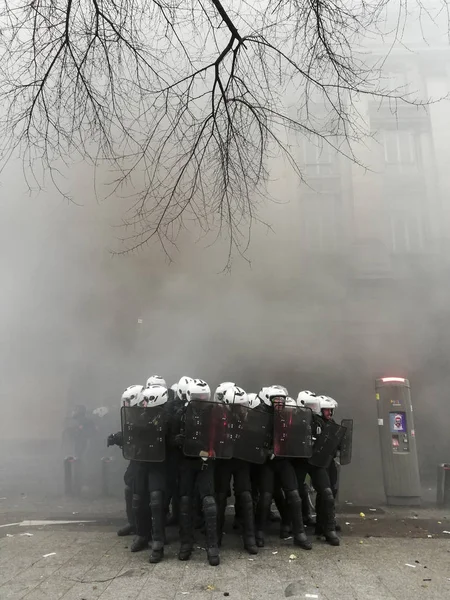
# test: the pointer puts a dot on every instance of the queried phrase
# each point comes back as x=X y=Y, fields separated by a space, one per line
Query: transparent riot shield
x=144 y=433
x=326 y=444
x=252 y=433
x=345 y=449
x=292 y=431
x=208 y=430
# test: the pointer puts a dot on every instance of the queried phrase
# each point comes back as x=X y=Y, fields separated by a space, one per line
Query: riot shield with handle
x=326 y=444
x=144 y=433
x=208 y=430
x=252 y=433
x=345 y=448
x=292 y=431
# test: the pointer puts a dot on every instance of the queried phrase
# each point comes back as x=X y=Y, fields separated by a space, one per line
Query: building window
x=406 y=232
x=399 y=149
x=321 y=222
x=319 y=159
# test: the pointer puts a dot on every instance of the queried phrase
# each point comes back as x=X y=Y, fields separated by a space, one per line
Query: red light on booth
x=389 y=379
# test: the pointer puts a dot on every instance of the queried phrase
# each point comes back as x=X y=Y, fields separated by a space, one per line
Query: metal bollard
x=69 y=487
x=443 y=485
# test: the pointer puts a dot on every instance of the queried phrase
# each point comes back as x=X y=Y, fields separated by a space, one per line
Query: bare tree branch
x=188 y=99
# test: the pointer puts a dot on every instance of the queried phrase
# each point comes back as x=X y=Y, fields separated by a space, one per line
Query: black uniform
x=267 y=472
x=240 y=471
x=320 y=478
x=116 y=439
x=195 y=475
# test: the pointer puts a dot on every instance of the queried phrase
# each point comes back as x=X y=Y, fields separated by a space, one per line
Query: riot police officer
x=195 y=472
x=283 y=467
x=130 y=397
x=322 y=409
x=240 y=471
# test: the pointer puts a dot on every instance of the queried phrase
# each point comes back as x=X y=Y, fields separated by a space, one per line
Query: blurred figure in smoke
x=79 y=432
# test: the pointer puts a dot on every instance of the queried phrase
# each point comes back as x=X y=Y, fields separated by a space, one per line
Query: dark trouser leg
x=243 y=498
x=142 y=522
x=301 y=470
x=298 y=529
x=266 y=480
x=329 y=523
x=186 y=528
x=326 y=520
x=265 y=489
x=248 y=517
x=289 y=483
x=187 y=484
x=129 y=528
x=280 y=503
x=210 y=514
x=206 y=489
x=334 y=483
x=222 y=479
x=158 y=517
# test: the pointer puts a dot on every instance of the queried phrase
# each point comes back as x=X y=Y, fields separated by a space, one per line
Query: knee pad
x=246 y=498
x=209 y=506
x=328 y=496
x=293 y=497
x=156 y=498
x=136 y=501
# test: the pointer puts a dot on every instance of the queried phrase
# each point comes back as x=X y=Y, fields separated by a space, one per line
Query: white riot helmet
x=156 y=380
x=325 y=402
x=198 y=390
x=304 y=397
x=333 y=401
x=174 y=388
x=235 y=395
x=283 y=389
x=290 y=402
x=132 y=395
x=183 y=386
x=155 y=395
x=268 y=394
x=101 y=411
x=252 y=400
x=221 y=389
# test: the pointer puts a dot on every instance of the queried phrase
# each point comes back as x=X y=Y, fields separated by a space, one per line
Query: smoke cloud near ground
x=80 y=323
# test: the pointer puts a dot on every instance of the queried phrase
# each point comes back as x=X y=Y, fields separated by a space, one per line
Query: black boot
x=139 y=543
x=158 y=533
x=329 y=516
x=298 y=529
x=186 y=531
x=246 y=508
x=262 y=513
x=210 y=514
x=127 y=529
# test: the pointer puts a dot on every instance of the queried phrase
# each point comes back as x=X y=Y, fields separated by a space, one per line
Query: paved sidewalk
x=93 y=563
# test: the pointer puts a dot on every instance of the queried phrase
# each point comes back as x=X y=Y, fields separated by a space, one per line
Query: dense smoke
x=81 y=323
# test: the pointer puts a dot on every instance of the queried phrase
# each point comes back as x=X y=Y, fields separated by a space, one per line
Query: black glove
x=115 y=439
x=179 y=439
